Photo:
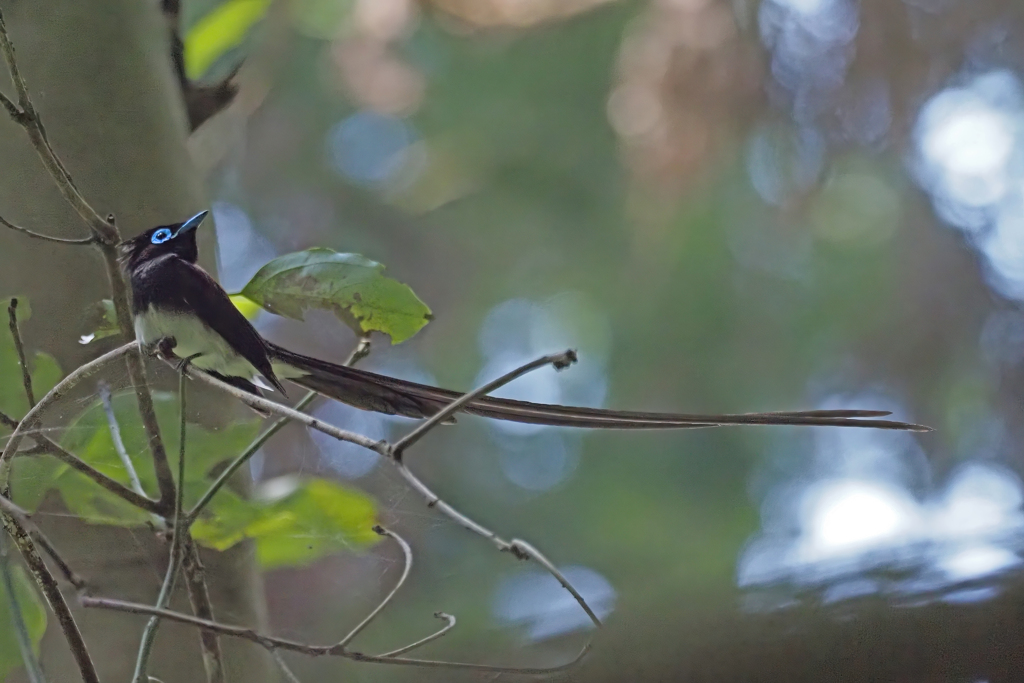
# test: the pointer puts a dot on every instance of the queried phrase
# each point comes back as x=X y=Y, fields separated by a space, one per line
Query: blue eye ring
x=161 y=236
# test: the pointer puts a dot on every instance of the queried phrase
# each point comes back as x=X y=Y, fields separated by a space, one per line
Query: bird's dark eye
x=161 y=236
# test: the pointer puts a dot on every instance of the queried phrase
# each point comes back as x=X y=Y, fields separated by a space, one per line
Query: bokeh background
x=724 y=206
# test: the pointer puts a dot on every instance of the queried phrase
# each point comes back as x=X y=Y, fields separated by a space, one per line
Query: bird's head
x=177 y=238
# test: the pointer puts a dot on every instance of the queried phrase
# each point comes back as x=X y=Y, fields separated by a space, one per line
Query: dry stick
x=518 y=549
x=199 y=597
x=432 y=637
x=115 y=435
x=106 y=239
x=48 y=238
x=19 y=345
x=361 y=350
x=270 y=642
x=28 y=658
x=23 y=518
x=48 y=446
x=54 y=597
x=407 y=554
x=283 y=666
x=55 y=394
x=558 y=360
x=26 y=116
x=174 y=561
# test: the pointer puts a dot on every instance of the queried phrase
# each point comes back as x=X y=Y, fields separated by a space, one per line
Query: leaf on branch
x=218 y=32
x=293 y=521
x=33 y=611
x=44 y=368
x=351 y=286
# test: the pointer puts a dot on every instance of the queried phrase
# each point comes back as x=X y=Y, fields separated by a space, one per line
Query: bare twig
x=199 y=597
x=46 y=445
x=407 y=554
x=270 y=642
x=24 y=521
x=558 y=360
x=115 y=435
x=28 y=657
x=361 y=350
x=35 y=414
x=174 y=561
x=48 y=238
x=107 y=238
x=423 y=641
x=518 y=549
x=8 y=421
x=44 y=579
x=283 y=666
x=19 y=345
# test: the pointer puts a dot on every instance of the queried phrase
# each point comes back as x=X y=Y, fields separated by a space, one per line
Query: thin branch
x=383 y=448
x=174 y=561
x=19 y=345
x=266 y=405
x=407 y=554
x=558 y=360
x=48 y=238
x=28 y=657
x=7 y=420
x=107 y=238
x=12 y=109
x=115 y=435
x=361 y=350
x=44 y=579
x=423 y=641
x=270 y=642
x=29 y=120
x=283 y=666
x=46 y=445
x=199 y=597
x=522 y=549
x=63 y=387
x=25 y=522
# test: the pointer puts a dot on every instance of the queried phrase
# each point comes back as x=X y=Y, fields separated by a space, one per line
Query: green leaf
x=293 y=521
x=219 y=31
x=350 y=285
x=103 y=321
x=33 y=612
x=89 y=437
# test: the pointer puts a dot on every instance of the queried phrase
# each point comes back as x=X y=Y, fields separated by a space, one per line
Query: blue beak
x=192 y=223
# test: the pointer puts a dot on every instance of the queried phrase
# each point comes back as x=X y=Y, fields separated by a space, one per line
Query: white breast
x=192 y=337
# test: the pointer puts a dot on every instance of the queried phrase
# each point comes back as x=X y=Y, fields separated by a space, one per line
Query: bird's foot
x=162 y=348
x=184 y=364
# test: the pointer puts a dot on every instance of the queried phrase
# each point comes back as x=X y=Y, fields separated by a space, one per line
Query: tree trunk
x=101 y=78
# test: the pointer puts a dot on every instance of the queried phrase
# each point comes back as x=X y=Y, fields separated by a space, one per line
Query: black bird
x=177 y=305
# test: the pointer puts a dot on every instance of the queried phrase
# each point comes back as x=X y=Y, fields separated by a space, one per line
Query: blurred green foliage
x=33 y=614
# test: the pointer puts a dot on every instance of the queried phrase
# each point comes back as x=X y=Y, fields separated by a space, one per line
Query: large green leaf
x=293 y=521
x=33 y=612
x=350 y=285
x=43 y=367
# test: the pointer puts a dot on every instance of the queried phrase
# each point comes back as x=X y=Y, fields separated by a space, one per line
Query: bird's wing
x=197 y=292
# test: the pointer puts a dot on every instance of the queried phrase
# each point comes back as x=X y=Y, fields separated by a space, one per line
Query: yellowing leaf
x=249 y=308
x=219 y=31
